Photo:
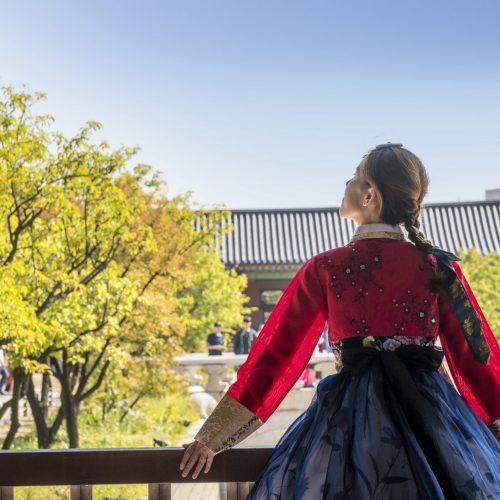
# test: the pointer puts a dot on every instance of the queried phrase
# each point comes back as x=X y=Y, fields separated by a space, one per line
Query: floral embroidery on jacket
x=358 y=287
x=415 y=310
x=356 y=272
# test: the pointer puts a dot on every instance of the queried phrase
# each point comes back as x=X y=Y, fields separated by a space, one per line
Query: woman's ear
x=368 y=197
x=373 y=195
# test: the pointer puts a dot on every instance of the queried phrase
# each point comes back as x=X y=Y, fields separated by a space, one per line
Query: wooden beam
x=123 y=466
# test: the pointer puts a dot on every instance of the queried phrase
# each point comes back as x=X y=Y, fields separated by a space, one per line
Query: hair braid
x=402 y=182
x=442 y=278
x=412 y=226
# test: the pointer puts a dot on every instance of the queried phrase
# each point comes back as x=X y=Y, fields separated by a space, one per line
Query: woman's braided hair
x=401 y=181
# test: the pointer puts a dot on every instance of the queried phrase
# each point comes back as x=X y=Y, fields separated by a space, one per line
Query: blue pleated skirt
x=356 y=442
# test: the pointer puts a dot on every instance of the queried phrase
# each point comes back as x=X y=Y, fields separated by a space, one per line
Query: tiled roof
x=291 y=236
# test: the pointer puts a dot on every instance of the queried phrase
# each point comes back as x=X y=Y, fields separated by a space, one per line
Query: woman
x=388 y=425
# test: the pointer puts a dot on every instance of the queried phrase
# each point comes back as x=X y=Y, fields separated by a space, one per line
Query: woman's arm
x=284 y=346
x=275 y=362
x=471 y=350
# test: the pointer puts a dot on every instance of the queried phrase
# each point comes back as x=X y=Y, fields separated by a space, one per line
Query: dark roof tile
x=291 y=236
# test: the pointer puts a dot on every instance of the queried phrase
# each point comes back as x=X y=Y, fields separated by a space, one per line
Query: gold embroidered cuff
x=229 y=423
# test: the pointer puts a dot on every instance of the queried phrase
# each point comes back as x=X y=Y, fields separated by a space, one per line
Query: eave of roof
x=290 y=236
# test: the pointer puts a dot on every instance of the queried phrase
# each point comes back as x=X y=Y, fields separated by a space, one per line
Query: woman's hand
x=197 y=455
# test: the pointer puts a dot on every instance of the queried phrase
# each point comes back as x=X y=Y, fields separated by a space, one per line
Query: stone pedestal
x=219 y=378
x=216 y=385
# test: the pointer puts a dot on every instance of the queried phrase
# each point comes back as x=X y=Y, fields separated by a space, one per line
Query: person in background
x=309 y=376
x=4 y=373
x=9 y=383
x=327 y=347
x=321 y=344
x=245 y=337
x=215 y=341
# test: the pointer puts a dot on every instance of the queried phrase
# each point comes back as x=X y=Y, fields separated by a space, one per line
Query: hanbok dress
x=388 y=424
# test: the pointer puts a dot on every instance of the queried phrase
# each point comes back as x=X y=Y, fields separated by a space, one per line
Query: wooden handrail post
x=81 y=492
x=6 y=493
x=159 y=491
x=237 y=491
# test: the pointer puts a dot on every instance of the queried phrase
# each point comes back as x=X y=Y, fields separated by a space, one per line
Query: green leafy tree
x=67 y=218
x=483 y=274
x=215 y=293
x=94 y=260
x=184 y=286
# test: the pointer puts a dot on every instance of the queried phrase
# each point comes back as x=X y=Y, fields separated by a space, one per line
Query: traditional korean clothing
x=388 y=424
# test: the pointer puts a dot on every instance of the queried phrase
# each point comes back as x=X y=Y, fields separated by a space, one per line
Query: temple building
x=270 y=245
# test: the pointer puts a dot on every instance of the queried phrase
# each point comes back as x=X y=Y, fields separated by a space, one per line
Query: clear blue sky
x=271 y=103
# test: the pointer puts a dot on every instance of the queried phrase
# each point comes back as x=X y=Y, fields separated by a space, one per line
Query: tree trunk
x=38 y=415
x=71 y=414
x=68 y=403
x=74 y=380
x=46 y=433
x=5 y=407
x=45 y=395
x=17 y=393
x=54 y=428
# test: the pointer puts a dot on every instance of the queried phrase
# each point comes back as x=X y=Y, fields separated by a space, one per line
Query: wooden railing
x=157 y=467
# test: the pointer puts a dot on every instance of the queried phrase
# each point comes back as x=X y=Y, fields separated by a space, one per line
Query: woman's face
x=359 y=202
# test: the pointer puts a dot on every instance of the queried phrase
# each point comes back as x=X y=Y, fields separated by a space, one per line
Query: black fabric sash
x=397 y=367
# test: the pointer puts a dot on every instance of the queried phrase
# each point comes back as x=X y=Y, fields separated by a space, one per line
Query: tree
x=67 y=218
x=95 y=260
x=215 y=293
x=483 y=274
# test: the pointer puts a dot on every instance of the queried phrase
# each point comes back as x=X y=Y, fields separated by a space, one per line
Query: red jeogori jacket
x=377 y=285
